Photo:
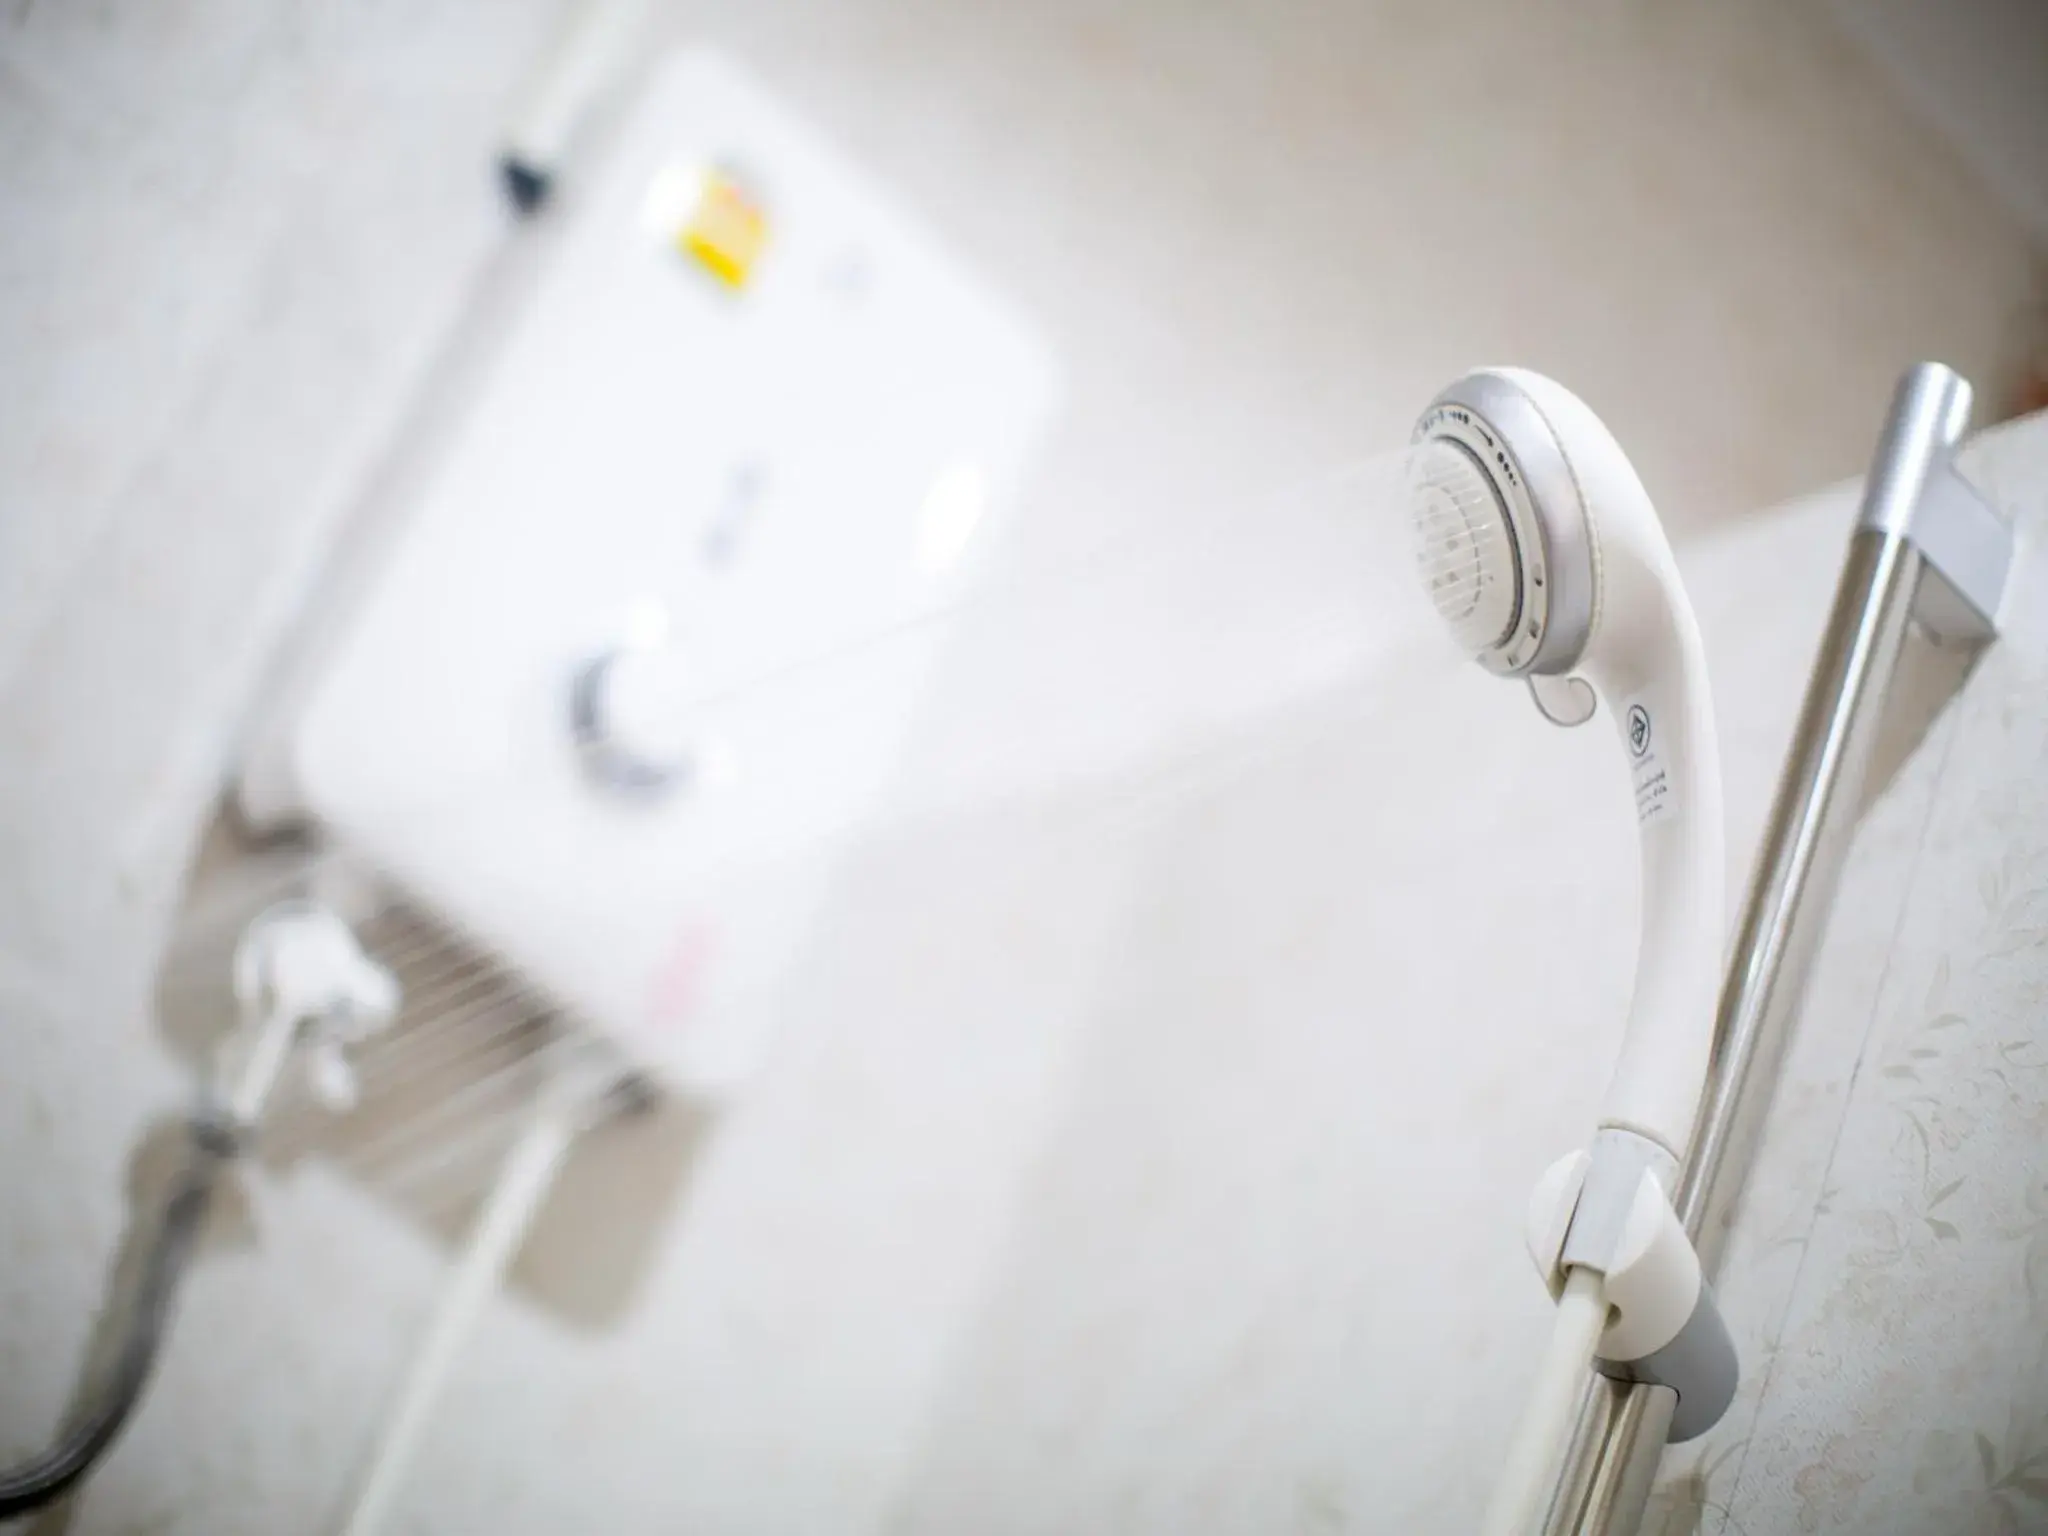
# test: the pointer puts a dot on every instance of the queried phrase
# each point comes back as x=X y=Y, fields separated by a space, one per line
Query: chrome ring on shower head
x=1529 y=552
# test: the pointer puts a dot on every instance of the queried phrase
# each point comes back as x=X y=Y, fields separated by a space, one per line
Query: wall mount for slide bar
x=1916 y=493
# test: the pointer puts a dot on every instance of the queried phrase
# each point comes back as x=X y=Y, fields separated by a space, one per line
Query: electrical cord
x=48 y=1476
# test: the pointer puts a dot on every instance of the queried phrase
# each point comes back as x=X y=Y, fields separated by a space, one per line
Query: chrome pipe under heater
x=1927 y=548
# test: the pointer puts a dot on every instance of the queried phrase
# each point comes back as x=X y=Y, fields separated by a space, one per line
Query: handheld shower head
x=1541 y=551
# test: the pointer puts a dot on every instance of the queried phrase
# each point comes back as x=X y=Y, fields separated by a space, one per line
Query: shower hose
x=49 y=1475
x=1521 y=1495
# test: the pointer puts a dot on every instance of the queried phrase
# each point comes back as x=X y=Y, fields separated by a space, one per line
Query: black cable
x=48 y=1476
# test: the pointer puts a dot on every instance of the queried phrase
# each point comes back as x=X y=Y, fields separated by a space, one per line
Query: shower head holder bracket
x=1665 y=1327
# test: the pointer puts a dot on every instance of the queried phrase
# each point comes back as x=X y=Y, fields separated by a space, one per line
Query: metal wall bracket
x=1916 y=492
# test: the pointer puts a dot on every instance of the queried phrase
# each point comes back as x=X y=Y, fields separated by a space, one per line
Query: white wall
x=1977 y=70
x=1137 y=1195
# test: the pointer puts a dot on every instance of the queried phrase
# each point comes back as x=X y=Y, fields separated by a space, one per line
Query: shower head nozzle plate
x=1504 y=541
x=1464 y=546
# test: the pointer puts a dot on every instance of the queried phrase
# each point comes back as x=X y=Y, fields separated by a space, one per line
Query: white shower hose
x=1521 y=1497
x=522 y=1186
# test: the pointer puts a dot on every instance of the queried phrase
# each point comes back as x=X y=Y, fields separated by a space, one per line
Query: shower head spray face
x=1464 y=548
x=1499 y=513
x=1541 y=552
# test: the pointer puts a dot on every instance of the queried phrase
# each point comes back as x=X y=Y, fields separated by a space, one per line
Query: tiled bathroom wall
x=1081 y=1197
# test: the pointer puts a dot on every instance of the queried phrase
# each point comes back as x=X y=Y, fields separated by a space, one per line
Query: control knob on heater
x=632 y=712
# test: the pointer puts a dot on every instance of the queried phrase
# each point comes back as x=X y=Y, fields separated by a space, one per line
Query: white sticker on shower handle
x=1640 y=718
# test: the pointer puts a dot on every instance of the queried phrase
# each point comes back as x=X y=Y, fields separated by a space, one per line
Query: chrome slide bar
x=1928 y=548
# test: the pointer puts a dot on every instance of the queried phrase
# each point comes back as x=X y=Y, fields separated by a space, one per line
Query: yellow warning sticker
x=725 y=231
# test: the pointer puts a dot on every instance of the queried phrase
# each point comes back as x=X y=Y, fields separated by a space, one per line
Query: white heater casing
x=735 y=482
